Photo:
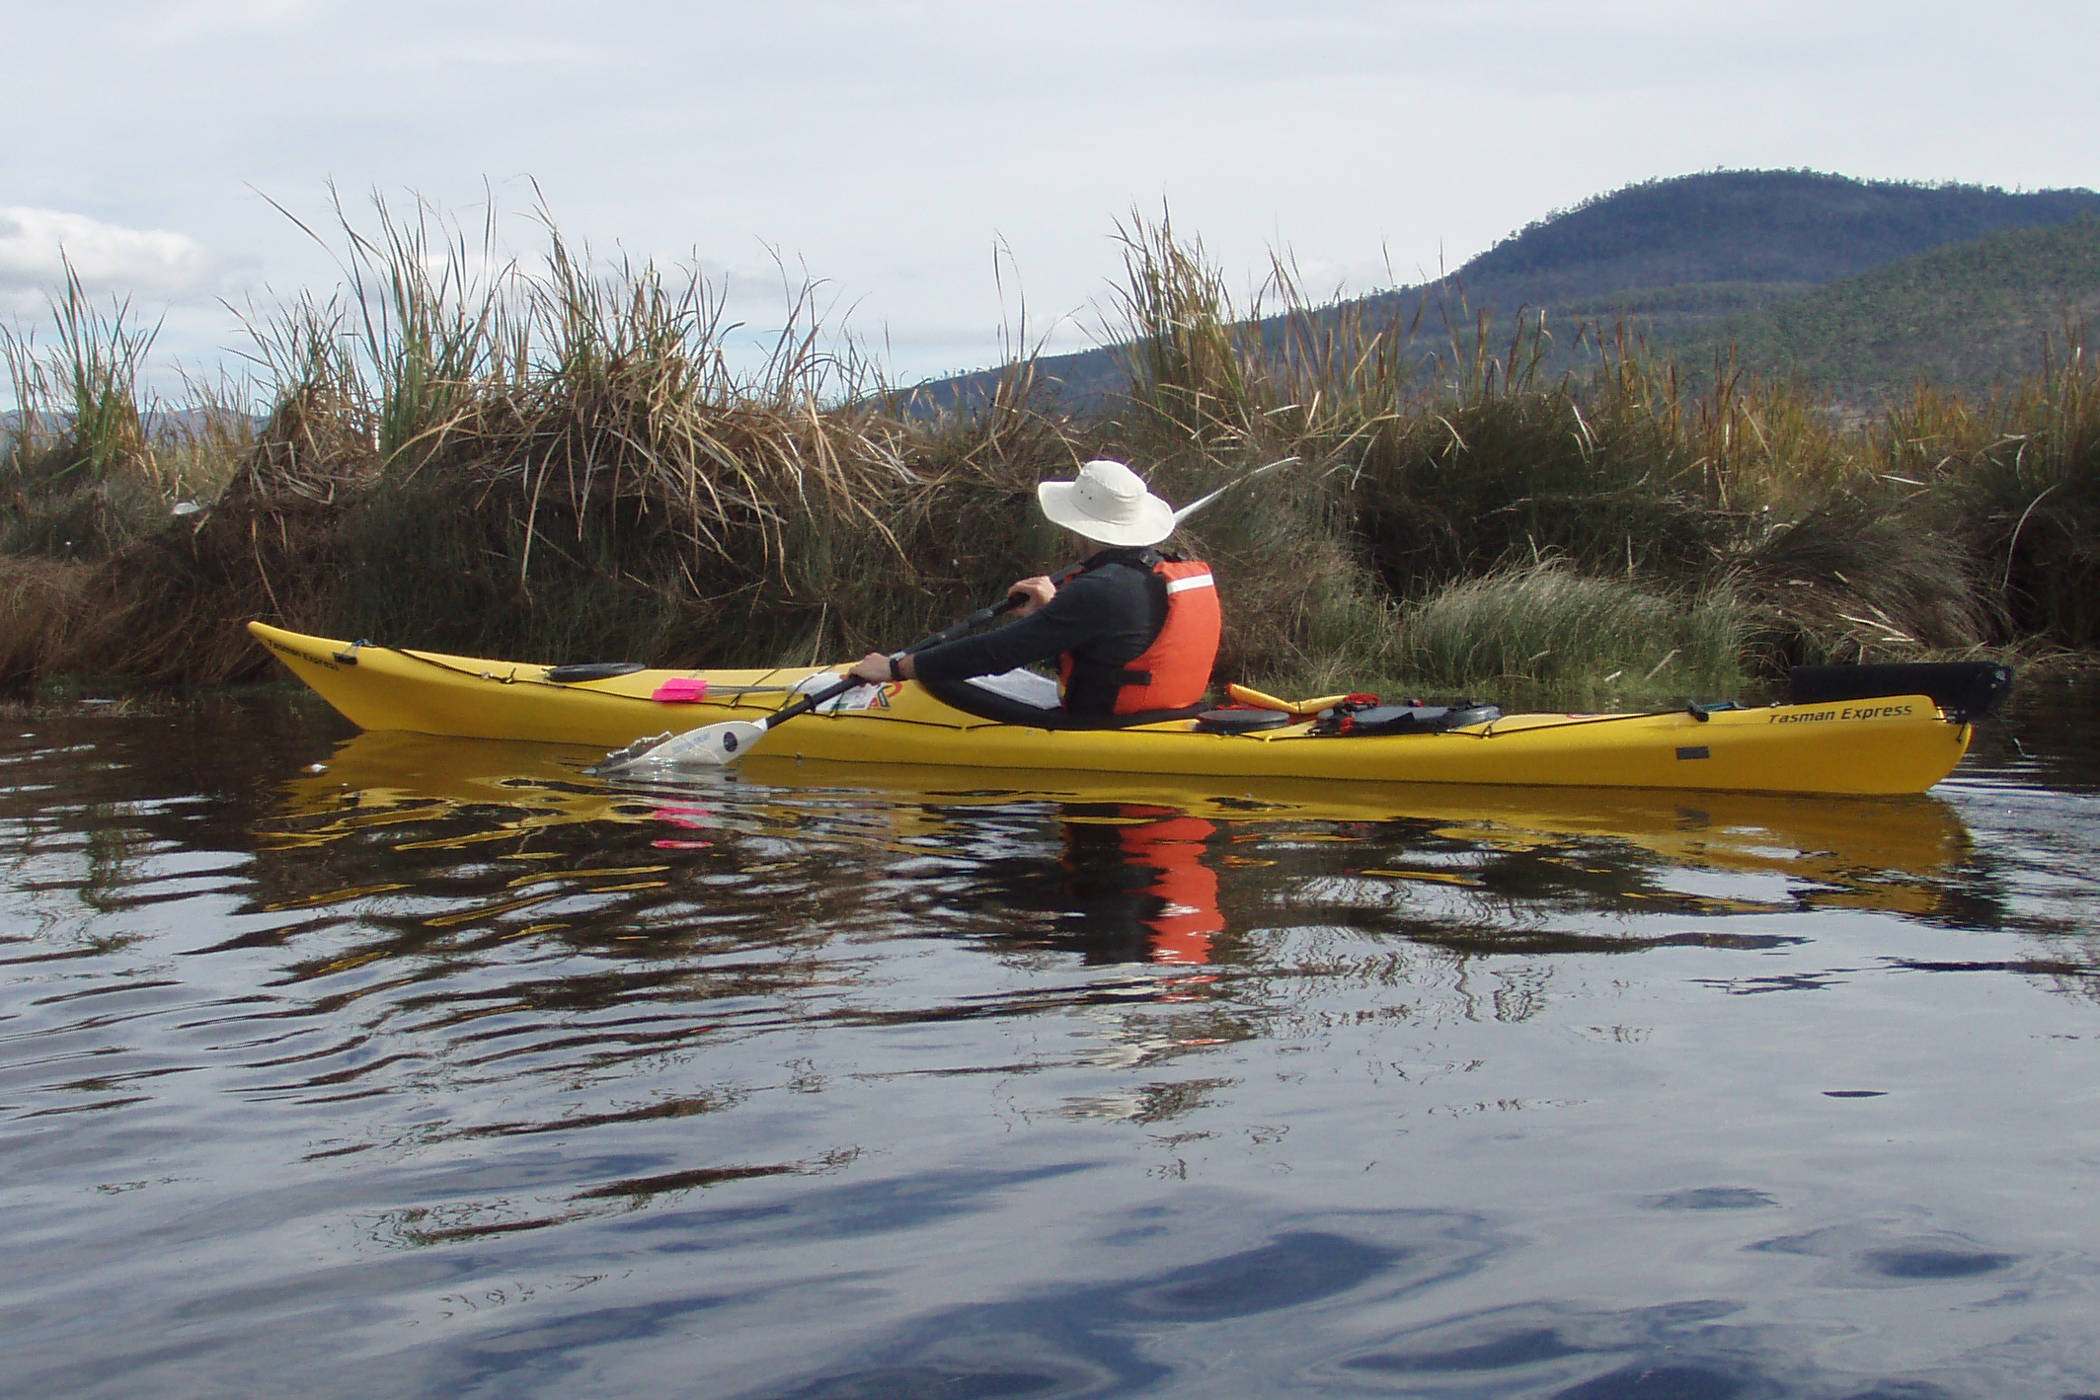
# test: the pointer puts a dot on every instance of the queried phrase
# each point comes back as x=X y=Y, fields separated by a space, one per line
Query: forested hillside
x=1966 y=317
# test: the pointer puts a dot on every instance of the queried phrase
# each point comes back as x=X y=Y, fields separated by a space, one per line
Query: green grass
x=1542 y=631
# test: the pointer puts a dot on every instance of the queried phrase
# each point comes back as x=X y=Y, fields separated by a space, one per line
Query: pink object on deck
x=681 y=690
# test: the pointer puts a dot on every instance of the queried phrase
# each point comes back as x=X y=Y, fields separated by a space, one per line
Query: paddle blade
x=710 y=746
x=620 y=760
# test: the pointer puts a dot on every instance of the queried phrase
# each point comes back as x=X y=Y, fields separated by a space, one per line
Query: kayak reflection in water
x=1138 y=877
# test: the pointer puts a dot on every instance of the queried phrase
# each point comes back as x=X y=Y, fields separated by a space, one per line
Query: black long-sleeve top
x=1105 y=616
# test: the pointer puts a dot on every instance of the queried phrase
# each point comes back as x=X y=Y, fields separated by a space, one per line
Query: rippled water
x=371 y=1066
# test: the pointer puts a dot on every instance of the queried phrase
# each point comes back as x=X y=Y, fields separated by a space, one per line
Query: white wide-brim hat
x=1108 y=504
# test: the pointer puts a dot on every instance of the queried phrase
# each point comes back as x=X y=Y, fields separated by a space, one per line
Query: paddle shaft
x=832 y=692
x=1200 y=502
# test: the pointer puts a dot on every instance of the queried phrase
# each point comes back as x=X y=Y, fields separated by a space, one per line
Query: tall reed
x=1180 y=342
x=2015 y=481
x=80 y=477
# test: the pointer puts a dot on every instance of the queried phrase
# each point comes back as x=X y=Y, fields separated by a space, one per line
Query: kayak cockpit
x=1029 y=699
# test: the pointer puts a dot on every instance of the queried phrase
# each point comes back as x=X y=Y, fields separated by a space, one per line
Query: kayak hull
x=1886 y=745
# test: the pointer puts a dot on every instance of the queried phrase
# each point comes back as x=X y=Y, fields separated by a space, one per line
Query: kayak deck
x=1883 y=745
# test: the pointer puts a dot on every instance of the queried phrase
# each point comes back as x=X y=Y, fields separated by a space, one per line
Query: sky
x=945 y=169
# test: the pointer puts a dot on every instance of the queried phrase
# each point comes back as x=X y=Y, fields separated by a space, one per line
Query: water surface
x=370 y=1065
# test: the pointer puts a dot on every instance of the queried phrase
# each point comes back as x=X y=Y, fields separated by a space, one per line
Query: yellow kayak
x=1878 y=744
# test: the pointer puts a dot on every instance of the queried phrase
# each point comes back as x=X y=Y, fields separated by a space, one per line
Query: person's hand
x=1033 y=592
x=874 y=668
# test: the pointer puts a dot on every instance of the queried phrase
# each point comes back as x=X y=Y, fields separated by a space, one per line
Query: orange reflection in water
x=1152 y=861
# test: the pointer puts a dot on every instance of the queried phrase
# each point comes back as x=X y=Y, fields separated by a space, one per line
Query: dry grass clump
x=1625 y=470
x=42 y=602
x=492 y=463
x=1188 y=355
x=2016 y=481
x=972 y=526
x=1853 y=581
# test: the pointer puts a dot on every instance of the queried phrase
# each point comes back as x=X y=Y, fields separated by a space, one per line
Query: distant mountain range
x=1854 y=287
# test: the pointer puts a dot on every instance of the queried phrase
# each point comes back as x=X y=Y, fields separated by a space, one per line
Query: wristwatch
x=895 y=674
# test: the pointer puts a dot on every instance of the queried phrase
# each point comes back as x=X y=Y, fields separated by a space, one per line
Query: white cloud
x=35 y=245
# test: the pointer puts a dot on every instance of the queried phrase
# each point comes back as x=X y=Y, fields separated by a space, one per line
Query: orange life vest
x=1174 y=671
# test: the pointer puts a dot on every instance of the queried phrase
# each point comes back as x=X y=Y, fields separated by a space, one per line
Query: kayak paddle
x=719 y=745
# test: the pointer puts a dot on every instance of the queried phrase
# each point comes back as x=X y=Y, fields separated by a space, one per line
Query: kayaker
x=1133 y=629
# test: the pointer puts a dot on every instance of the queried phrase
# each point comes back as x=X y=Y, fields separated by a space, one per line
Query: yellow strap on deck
x=1247 y=695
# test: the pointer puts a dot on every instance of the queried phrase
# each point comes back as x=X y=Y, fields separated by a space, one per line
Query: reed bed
x=1544 y=633
x=2013 y=486
x=569 y=463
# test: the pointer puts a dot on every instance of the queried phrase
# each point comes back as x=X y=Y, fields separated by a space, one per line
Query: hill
x=1749 y=227
x=1683 y=257
x=1966 y=317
